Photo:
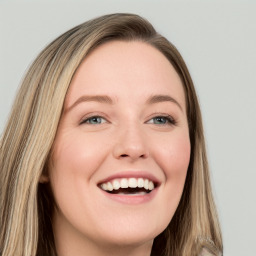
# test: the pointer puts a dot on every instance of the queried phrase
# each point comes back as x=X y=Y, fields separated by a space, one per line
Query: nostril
x=126 y=155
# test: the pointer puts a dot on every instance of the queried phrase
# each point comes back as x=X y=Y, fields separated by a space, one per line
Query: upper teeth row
x=128 y=183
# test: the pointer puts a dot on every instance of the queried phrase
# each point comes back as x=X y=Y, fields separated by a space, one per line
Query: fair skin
x=126 y=132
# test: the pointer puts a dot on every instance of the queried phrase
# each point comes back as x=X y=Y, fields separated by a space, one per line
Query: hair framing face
x=26 y=144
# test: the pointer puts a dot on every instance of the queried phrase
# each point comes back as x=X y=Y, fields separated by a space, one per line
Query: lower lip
x=134 y=199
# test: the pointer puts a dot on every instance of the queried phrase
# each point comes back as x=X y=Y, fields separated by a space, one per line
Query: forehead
x=131 y=68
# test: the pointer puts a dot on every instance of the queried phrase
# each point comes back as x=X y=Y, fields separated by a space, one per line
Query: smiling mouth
x=128 y=186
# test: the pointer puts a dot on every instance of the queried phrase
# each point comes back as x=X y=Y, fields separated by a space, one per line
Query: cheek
x=174 y=155
x=76 y=155
x=72 y=165
x=173 y=158
x=74 y=160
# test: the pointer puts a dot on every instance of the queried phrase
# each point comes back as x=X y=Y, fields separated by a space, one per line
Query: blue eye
x=94 y=120
x=162 y=120
x=159 y=120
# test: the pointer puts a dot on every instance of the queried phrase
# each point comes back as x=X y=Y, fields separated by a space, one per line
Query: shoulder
x=205 y=252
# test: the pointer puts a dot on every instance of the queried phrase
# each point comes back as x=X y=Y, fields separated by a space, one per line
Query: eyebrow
x=107 y=100
x=163 y=98
x=97 y=98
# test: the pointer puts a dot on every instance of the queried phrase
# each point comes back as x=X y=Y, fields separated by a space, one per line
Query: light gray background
x=217 y=40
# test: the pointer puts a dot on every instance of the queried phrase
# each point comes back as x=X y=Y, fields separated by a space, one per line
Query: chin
x=131 y=233
x=128 y=240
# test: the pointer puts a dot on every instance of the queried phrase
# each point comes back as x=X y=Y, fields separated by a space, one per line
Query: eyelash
x=169 y=120
x=85 y=121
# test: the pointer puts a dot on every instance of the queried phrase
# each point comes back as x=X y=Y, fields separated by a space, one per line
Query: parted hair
x=25 y=146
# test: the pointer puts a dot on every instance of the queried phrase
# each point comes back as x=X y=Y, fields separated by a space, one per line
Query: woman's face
x=124 y=124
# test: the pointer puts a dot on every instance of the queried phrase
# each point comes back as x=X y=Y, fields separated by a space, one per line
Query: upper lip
x=131 y=174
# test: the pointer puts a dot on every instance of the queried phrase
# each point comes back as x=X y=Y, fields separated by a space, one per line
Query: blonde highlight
x=26 y=145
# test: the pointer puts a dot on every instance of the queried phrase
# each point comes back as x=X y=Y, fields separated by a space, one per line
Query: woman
x=104 y=150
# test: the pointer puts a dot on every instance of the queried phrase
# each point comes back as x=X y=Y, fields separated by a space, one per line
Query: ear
x=43 y=179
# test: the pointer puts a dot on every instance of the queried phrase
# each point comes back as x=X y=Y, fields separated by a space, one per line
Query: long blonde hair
x=26 y=205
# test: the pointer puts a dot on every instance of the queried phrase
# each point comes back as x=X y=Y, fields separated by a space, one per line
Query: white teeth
x=116 y=185
x=150 y=185
x=140 y=183
x=128 y=183
x=104 y=186
x=146 y=183
x=109 y=186
x=132 y=183
x=139 y=193
x=124 y=183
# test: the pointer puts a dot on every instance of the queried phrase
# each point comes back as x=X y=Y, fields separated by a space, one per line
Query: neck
x=86 y=247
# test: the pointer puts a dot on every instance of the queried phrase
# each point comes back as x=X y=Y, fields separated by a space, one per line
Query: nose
x=131 y=144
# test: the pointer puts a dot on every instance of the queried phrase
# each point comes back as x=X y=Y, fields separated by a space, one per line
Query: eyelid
x=170 y=119
x=91 y=115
